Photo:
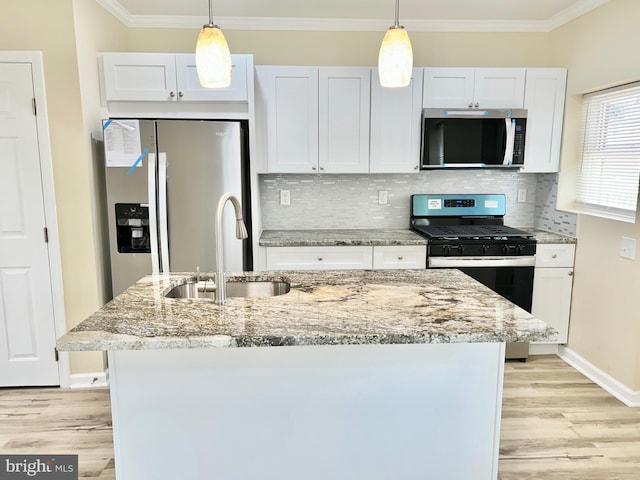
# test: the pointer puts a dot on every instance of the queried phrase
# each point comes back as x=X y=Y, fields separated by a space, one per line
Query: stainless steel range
x=468 y=232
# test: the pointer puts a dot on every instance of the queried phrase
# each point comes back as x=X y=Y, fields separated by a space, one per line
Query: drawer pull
x=319 y=259
x=400 y=258
x=555 y=255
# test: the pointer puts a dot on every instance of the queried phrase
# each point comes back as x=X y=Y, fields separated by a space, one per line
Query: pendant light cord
x=210 y=12
x=397 y=24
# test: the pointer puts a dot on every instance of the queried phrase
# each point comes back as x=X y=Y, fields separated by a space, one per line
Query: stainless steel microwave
x=473 y=138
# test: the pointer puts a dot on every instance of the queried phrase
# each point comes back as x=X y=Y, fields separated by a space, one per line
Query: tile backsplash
x=351 y=200
x=546 y=215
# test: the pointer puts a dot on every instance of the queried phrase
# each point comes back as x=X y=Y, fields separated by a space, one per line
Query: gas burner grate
x=471 y=231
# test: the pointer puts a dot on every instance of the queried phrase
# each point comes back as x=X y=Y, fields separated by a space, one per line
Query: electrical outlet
x=522 y=195
x=383 y=197
x=285 y=197
x=628 y=248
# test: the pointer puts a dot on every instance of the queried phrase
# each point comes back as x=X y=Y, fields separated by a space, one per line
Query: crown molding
x=351 y=24
x=573 y=12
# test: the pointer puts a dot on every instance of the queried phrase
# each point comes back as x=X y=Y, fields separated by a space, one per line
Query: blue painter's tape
x=106 y=124
x=138 y=160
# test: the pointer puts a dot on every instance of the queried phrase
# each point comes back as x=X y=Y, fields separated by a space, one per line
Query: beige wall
x=95 y=31
x=48 y=26
x=600 y=49
x=358 y=48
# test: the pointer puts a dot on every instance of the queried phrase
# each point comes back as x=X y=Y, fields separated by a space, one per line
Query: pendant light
x=395 y=60
x=213 y=59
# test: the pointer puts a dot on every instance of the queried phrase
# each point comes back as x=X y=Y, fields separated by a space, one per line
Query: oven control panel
x=460 y=202
x=428 y=205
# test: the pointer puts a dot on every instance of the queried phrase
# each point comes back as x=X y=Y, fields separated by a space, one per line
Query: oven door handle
x=455 y=262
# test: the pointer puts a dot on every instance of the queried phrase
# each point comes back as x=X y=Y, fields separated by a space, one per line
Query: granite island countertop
x=322 y=308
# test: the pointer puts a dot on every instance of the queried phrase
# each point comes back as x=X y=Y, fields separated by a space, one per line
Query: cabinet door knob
x=319 y=259
x=416 y=167
x=400 y=258
x=571 y=274
x=477 y=105
x=172 y=94
x=314 y=168
x=180 y=94
x=470 y=104
x=555 y=255
x=321 y=168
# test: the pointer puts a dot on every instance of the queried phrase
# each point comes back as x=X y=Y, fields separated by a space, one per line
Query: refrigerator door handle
x=153 y=223
x=162 y=211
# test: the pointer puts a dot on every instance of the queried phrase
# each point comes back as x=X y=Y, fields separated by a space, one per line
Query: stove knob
x=484 y=249
x=446 y=249
x=460 y=249
x=520 y=249
x=508 y=249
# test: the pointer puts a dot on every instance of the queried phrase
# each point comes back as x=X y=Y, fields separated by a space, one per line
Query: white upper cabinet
x=162 y=77
x=446 y=87
x=544 y=100
x=344 y=119
x=396 y=115
x=317 y=118
x=288 y=100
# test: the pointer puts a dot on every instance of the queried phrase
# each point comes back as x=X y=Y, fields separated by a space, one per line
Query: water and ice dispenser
x=132 y=228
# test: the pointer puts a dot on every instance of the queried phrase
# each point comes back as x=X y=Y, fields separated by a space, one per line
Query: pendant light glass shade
x=395 y=61
x=213 y=58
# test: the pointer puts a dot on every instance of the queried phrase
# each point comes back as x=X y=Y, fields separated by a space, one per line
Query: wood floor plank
x=556 y=425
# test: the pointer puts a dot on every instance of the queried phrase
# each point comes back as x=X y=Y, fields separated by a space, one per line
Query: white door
x=27 y=329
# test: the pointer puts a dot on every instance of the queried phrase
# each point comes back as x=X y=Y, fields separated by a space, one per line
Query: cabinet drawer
x=407 y=256
x=319 y=258
x=555 y=255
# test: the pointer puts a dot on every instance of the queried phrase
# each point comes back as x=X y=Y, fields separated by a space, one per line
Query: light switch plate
x=628 y=248
x=285 y=197
x=522 y=195
x=383 y=197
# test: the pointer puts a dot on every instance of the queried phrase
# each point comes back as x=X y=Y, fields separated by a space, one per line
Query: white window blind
x=610 y=170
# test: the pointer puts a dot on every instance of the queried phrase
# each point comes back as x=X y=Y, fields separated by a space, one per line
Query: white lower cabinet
x=400 y=256
x=346 y=257
x=319 y=258
x=552 y=286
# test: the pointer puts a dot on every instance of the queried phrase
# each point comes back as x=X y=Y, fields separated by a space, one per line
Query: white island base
x=345 y=412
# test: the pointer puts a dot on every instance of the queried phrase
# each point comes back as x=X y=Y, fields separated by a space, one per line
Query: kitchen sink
x=206 y=290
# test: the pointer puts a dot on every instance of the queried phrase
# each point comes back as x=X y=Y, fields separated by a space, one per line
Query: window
x=610 y=171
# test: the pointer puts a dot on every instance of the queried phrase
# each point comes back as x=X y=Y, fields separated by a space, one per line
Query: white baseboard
x=543 y=349
x=623 y=393
x=88 y=380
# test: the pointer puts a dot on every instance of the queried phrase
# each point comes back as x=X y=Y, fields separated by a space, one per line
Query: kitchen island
x=368 y=374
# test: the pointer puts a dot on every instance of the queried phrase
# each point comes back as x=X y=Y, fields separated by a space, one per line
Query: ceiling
x=416 y=15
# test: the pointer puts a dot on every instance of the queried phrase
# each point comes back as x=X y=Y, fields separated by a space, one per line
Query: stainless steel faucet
x=241 y=233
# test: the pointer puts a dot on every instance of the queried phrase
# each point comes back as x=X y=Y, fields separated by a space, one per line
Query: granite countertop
x=354 y=237
x=542 y=236
x=322 y=308
x=347 y=237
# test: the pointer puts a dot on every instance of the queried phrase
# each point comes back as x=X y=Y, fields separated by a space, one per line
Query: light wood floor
x=556 y=425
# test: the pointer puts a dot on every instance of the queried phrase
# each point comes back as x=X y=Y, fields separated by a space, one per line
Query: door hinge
x=46 y=235
x=55 y=352
x=35 y=108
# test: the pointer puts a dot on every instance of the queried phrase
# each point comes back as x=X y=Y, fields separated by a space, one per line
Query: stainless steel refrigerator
x=161 y=206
